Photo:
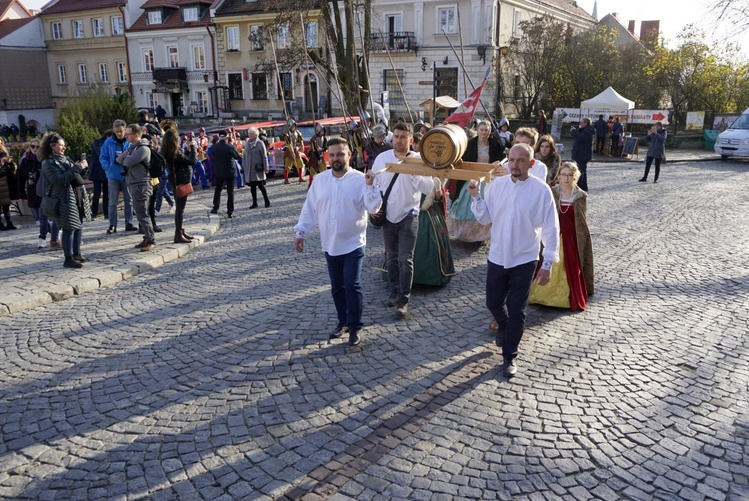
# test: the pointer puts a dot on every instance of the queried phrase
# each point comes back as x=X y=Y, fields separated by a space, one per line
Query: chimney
x=649 y=31
x=631 y=26
x=615 y=15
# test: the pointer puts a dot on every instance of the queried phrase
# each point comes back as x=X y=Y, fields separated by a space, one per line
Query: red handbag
x=184 y=189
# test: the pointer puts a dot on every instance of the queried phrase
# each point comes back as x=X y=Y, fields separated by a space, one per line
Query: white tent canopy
x=608 y=100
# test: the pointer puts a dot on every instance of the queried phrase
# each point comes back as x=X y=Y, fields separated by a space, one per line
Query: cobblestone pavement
x=211 y=377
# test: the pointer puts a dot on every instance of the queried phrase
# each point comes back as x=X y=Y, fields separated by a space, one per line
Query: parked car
x=734 y=141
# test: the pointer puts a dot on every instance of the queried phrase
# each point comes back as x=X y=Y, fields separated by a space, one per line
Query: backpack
x=157 y=165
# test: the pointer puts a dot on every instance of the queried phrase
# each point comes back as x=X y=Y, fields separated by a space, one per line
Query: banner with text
x=572 y=115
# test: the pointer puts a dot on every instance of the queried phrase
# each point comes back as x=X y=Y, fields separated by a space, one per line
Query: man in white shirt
x=401 y=224
x=338 y=202
x=523 y=215
x=529 y=136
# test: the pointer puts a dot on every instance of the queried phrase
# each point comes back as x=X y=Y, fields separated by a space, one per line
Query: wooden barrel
x=443 y=145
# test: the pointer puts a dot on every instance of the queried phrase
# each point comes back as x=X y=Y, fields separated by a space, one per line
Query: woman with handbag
x=255 y=163
x=180 y=175
x=66 y=200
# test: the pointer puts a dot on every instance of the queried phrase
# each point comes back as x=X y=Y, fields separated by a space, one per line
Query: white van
x=734 y=141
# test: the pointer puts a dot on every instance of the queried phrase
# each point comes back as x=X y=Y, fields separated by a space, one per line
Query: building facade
x=246 y=36
x=24 y=57
x=171 y=48
x=85 y=42
x=422 y=38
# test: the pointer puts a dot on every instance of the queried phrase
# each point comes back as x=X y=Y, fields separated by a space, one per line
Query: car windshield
x=741 y=123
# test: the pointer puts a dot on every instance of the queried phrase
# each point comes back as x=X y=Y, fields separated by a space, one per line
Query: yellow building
x=245 y=61
x=85 y=47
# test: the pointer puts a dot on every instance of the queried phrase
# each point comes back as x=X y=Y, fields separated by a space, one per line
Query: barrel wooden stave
x=443 y=145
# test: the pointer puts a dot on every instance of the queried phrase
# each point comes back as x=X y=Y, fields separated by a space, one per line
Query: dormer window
x=154 y=17
x=190 y=14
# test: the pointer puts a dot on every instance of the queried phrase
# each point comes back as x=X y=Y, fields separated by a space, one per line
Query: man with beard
x=523 y=215
x=401 y=225
x=338 y=202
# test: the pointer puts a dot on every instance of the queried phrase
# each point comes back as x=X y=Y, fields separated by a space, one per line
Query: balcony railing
x=394 y=41
x=169 y=74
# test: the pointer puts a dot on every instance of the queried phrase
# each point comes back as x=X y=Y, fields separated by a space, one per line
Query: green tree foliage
x=77 y=133
x=559 y=67
x=99 y=109
x=534 y=57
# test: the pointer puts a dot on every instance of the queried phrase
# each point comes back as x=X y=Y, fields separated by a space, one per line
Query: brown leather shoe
x=181 y=240
x=493 y=325
x=184 y=234
x=141 y=245
x=149 y=247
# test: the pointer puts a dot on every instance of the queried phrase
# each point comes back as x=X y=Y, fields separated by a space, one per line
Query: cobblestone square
x=211 y=376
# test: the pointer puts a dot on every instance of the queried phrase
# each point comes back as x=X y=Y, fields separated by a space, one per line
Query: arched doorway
x=311 y=94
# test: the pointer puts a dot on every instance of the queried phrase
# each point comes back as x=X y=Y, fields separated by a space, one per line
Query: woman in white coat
x=255 y=164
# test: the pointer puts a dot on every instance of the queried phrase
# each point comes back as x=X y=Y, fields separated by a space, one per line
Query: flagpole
x=462 y=54
x=280 y=83
x=309 y=63
x=464 y=70
x=397 y=79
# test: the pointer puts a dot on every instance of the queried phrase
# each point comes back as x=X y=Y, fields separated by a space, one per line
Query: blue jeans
x=162 y=192
x=71 y=242
x=36 y=212
x=240 y=177
x=345 y=282
x=400 y=242
x=47 y=226
x=507 y=291
x=115 y=187
x=199 y=174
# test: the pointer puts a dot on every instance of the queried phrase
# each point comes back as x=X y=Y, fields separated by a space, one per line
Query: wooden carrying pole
x=309 y=63
x=397 y=79
x=464 y=71
x=280 y=83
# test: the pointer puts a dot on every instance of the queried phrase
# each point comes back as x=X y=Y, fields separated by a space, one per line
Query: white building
x=418 y=36
x=171 y=51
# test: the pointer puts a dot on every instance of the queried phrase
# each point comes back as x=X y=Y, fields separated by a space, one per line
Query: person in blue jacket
x=111 y=148
x=582 y=149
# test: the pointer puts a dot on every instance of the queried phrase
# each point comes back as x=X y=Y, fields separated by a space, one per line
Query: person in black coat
x=97 y=175
x=582 y=149
x=223 y=168
x=179 y=167
x=485 y=138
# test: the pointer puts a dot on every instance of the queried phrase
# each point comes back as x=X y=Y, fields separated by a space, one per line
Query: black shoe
x=72 y=263
x=2 y=227
x=112 y=229
x=253 y=206
x=392 y=300
x=509 y=367
x=156 y=229
x=655 y=180
x=642 y=180
x=353 y=338
x=80 y=259
x=130 y=227
x=10 y=226
x=230 y=216
x=214 y=211
x=339 y=331
x=267 y=204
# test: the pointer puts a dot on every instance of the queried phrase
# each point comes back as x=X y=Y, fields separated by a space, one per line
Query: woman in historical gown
x=461 y=223
x=572 y=277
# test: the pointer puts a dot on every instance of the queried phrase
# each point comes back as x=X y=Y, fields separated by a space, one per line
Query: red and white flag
x=464 y=113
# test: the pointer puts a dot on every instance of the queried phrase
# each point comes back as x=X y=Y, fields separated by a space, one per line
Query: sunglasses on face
x=34 y=146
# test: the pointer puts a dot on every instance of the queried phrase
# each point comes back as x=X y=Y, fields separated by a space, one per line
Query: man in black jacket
x=224 y=155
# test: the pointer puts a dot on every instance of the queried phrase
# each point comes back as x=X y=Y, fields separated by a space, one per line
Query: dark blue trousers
x=345 y=282
x=507 y=291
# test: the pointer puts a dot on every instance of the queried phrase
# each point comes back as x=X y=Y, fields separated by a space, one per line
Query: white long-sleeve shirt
x=523 y=215
x=339 y=206
x=405 y=197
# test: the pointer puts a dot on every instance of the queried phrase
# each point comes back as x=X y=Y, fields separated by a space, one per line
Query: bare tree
x=735 y=12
